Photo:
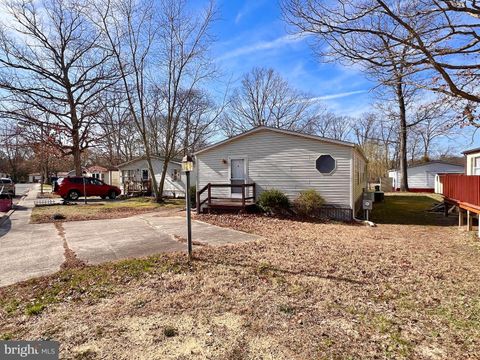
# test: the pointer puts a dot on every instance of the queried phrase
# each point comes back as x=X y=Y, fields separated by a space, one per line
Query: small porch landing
x=245 y=200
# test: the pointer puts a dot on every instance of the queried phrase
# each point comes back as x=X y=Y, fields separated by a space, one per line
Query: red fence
x=461 y=188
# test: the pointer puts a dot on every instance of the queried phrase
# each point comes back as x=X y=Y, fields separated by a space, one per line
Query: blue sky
x=252 y=33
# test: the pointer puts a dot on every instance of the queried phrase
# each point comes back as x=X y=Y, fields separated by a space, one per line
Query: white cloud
x=261 y=45
x=337 y=95
x=247 y=8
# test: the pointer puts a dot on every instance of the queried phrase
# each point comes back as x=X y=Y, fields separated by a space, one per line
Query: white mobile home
x=136 y=172
x=421 y=178
x=288 y=161
x=472 y=158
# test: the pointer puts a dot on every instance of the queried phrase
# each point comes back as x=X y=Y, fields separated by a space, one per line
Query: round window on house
x=326 y=164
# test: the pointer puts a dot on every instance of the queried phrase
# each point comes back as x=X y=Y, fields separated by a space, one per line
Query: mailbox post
x=187 y=167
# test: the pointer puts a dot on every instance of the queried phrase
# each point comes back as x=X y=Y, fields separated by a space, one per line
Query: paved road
x=31 y=250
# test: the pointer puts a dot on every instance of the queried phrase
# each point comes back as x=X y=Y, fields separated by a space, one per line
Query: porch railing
x=209 y=188
x=138 y=186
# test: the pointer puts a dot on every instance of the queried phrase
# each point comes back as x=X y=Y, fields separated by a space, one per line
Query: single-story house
x=34 y=177
x=108 y=176
x=421 y=177
x=289 y=161
x=472 y=158
x=74 y=173
x=135 y=173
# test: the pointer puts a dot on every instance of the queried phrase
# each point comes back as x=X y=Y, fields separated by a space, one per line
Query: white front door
x=237 y=176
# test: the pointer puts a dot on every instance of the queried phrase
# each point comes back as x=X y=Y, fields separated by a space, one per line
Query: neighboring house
x=108 y=176
x=136 y=172
x=472 y=158
x=34 y=177
x=74 y=173
x=421 y=177
x=288 y=161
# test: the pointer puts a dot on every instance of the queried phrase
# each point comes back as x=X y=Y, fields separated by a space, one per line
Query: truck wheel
x=73 y=195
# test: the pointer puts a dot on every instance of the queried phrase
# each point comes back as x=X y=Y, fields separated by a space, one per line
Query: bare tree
x=436 y=32
x=334 y=126
x=365 y=41
x=130 y=32
x=434 y=123
x=53 y=66
x=12 y=148
x=120 y=141
x=161 y=52
x=265 y=98
x=365 y=128
x=183 y=50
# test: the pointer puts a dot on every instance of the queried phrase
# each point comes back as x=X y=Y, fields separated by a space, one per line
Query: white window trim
x=475 y=168
x=331 y=172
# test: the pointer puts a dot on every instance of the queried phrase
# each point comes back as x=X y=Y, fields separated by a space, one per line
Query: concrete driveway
x=31 y=250
x=99 y=241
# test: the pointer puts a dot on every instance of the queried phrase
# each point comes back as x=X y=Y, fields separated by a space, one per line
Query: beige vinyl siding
x=281 y=161
x=171 y=186
x=359 y=179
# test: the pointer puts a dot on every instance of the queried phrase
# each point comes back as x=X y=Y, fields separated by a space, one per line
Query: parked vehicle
x=76 y=186
x=7 y=186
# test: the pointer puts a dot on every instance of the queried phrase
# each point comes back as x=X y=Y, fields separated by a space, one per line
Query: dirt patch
x=304 y=291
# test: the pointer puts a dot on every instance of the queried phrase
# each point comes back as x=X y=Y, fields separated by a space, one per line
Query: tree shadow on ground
x=5 y=227
x=411 y=209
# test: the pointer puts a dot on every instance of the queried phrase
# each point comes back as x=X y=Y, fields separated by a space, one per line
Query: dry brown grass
x=98 y=210
x=307 y=291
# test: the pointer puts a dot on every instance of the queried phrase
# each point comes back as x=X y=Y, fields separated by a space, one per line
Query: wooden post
x=243 y=196
x=446 y=209
x=478 y=225
x=469 y=221
x=254 y=193
x=461 y=217
x=209 y=194
x=198 y=202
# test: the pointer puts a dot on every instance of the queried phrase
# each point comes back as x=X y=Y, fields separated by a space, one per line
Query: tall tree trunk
x=77 y=154
x=403 y=136
x=162 y=179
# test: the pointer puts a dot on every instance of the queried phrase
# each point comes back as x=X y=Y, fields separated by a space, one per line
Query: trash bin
x=379 y=196
x=5 y=203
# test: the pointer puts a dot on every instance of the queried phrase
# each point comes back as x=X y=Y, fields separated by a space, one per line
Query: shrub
x=308 y=203
x=193 y=195
x=170 y=331
x=273 y=201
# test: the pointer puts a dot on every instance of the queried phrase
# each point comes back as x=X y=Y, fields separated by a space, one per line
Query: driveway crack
x=71 y=259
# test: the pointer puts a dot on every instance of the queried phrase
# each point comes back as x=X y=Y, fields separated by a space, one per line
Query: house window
x=326 y=164
x=176 y=175
x=144 y=174
x=476 y=165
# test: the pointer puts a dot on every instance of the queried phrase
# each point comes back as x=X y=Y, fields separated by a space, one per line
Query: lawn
x=410 y=208
x=305 y=291
x=109 y=209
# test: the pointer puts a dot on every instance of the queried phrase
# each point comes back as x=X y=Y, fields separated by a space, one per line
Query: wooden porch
x=212 y=201
x=462 y=191
x=137 y=187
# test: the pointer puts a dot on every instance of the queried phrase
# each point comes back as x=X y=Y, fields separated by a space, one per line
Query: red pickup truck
x=74 y=187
